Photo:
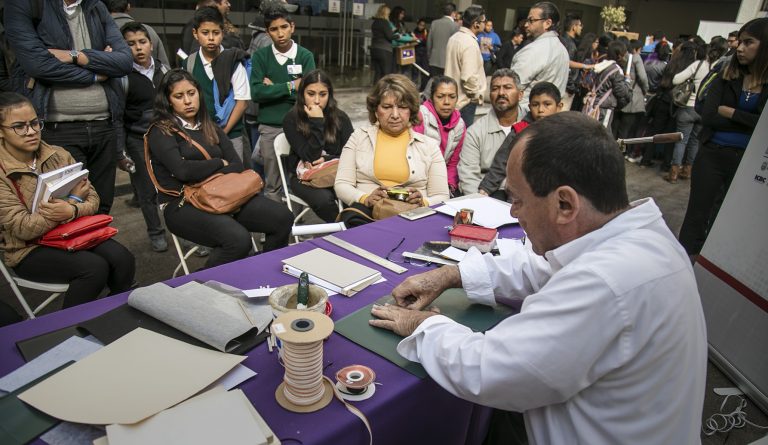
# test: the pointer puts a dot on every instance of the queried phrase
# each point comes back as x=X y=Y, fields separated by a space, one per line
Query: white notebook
x=332 y=271
x=49 y=178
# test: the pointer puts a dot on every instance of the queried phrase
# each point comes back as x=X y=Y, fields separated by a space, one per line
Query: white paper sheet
x=213 y=417
x=507 y=245
x=71 y=349
x=259 y=292
x=488 y=212
x=454 y=253
x=236 y=376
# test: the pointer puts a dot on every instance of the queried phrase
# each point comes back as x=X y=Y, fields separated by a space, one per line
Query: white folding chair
x=15 y=282
x=283 y=149
x=183 y=256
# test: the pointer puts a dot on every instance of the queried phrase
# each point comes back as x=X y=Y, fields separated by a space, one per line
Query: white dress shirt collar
x=282 y=58
x=148 y=72
x=187 y=126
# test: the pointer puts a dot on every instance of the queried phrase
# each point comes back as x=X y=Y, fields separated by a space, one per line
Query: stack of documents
x=57 y=184
x=331 y=271
x=488 y=212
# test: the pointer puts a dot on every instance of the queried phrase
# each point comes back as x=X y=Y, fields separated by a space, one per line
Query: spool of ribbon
x=355 y=382
x=304 y=388
x=301 y=335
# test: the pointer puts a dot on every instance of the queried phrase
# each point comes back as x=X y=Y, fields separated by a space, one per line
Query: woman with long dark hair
x=181 y=124
x=24 y=156
x=317 y=131
x=731 y=110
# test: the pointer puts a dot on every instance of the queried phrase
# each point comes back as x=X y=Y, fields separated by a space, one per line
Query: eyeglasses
x=530 y=20
x=406 y=260
x=22 y=128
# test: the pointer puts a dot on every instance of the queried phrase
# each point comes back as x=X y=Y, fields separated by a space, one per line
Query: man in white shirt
x=545 y=59
x=486 y=135
x=610 y=344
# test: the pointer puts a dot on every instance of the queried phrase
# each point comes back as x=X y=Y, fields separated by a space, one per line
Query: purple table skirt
x=404 y=410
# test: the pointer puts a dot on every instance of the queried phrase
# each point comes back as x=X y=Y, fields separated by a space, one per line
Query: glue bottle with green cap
x=302 y=299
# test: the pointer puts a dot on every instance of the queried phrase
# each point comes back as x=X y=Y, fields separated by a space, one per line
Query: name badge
x=294 y=70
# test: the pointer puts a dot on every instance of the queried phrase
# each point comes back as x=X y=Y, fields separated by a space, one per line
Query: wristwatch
x=74 y=53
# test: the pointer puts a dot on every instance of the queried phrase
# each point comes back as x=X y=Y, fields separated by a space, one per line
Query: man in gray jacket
x=439 y=32
x=486 y=135
x=545 y=58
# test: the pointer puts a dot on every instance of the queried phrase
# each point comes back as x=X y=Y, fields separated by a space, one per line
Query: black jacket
x=140 y=99
x=176 y=162
x=621 y=93
x=727 y=92
x=36 y=70
x=309 y=149
x=383 y=35
x=38 y=25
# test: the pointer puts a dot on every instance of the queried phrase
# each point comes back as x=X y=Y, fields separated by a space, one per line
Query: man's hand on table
x=419 y=291
x=399 y=320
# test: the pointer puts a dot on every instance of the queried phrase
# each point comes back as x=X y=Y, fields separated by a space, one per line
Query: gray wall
x=677 y=18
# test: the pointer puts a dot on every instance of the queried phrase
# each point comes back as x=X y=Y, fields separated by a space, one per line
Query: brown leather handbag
x=220 y=193
x=321 y=176
x=387 y=207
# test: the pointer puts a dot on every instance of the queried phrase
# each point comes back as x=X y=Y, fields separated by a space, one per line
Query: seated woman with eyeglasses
x=180 y=112
x=389 y=154
x=24 y=156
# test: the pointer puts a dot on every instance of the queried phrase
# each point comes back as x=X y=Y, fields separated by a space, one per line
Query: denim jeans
x=95 y=145
x=688 y=123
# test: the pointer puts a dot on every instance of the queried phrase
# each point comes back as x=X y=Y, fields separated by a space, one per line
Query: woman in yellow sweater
x=389 y=154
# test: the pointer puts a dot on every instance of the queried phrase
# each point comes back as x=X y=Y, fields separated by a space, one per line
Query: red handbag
x=81 y=234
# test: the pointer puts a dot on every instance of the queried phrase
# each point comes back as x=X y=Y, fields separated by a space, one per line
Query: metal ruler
x=372 y=257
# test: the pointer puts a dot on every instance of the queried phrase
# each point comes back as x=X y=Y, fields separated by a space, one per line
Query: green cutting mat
x=453 y=303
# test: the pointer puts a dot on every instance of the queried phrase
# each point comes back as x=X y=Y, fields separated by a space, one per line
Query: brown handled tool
x=663 y=138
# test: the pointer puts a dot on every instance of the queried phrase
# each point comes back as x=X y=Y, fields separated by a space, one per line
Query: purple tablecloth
x=404 y=410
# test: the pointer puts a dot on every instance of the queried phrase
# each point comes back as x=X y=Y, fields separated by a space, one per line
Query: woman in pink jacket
x=441 y=121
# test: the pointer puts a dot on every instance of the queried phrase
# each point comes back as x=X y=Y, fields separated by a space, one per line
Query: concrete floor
x=641 y=182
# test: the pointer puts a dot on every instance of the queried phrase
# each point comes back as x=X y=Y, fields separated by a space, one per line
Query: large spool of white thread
x=303 y=389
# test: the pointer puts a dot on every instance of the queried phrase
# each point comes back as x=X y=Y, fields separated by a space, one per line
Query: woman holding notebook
x=24 y=156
